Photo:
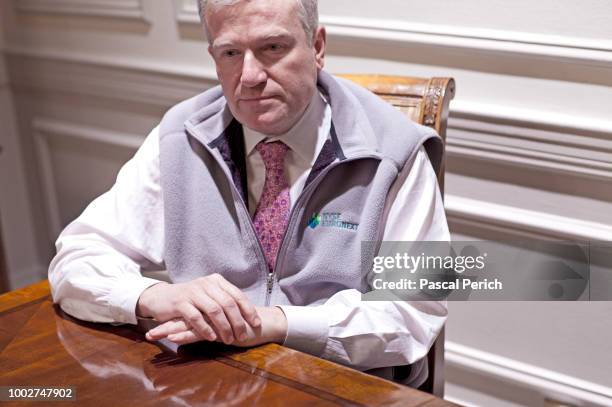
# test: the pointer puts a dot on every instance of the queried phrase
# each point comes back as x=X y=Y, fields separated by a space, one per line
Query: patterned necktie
x=272 y=213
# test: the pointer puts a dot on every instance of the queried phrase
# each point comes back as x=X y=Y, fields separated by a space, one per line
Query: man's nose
x=253 y=72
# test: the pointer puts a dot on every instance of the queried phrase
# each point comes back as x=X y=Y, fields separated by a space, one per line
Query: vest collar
x=352 y=134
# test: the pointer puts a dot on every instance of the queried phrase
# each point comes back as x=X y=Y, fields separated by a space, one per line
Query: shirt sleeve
x=95 y=275
x=367 y=335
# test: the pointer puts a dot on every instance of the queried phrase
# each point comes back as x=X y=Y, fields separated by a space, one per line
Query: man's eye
x=274 y=47
x=230 y=53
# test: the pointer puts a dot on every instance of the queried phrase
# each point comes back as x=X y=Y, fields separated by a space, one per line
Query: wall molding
x=186 y=11
x=45 y=129
x=530 y=55
x=131 y=80
x=92 y=8
x=522 y=221
x=520 y=117
x=114 y=62
x=509 y=42
x=506 y=371
x=563 y=144
x=562 y=48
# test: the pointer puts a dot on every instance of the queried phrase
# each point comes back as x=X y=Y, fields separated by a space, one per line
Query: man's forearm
x=85 y=292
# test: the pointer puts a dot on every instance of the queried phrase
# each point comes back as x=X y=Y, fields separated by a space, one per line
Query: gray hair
x=307 y=11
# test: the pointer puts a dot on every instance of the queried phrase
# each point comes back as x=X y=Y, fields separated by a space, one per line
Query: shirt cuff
x=307 y=328
x=125 y=295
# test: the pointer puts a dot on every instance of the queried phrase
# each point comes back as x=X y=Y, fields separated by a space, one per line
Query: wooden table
x=115 y=365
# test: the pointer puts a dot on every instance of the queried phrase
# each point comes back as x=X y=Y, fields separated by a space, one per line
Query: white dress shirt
x=96 y=274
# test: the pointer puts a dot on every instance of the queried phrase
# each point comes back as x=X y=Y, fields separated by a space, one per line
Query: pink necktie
x=272 y=213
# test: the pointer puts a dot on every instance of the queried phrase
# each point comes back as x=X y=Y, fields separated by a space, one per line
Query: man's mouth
x=255 y=99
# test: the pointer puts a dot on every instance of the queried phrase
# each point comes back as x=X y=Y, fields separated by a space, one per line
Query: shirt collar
x=301 y=138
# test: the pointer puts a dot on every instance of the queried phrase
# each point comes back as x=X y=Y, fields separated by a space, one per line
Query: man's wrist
x=274 y=324
x=144 y=303
x=280 y=332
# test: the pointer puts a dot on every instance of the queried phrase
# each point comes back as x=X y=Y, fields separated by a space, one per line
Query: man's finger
x=247 y=309
x=215 y=314
x=167 y=328
x=231 y=310
x=183 y=338
x=194 y=318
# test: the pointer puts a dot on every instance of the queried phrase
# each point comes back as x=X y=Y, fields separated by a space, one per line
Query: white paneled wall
x=529 y=144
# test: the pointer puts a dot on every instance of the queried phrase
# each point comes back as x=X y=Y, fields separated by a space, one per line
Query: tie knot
x=273 y=154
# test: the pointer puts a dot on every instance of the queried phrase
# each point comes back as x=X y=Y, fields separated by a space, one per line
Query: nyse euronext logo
x=330 y=220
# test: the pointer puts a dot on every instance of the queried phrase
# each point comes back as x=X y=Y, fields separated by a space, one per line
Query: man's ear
x=319 y=41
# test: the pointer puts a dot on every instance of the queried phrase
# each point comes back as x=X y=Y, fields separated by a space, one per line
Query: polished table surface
x=113 y=365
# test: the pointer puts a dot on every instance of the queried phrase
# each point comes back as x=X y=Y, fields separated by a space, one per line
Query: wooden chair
x=425 y=101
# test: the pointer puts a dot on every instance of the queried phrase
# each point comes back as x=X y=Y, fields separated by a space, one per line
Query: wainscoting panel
x=90 y=8
x=62 y=147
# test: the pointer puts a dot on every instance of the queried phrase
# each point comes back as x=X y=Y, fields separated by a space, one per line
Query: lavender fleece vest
x=208 y=226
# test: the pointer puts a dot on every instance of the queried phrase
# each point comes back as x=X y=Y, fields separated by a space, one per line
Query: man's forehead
x=266 y=10
x=252 y=14
x=258 y=22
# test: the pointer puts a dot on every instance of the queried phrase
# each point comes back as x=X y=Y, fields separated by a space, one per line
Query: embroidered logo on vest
x=330 y=220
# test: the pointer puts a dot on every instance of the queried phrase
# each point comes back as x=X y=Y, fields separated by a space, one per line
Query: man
x=222 y=194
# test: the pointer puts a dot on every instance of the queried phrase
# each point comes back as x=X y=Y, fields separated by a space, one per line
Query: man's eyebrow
x=222 y=44
x=280 y=36
x=276 y=36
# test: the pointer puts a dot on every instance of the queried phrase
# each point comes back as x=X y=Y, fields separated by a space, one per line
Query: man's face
x=264 y=62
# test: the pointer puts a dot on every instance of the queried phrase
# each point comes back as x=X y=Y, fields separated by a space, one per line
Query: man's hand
x=211 y=306
x=273 y=329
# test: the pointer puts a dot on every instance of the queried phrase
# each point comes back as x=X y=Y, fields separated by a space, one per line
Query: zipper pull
x=270 y=282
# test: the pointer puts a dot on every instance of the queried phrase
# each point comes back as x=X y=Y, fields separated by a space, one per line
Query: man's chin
x=267 y=125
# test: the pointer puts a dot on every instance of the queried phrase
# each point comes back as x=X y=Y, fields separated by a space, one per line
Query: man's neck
x=302 y=137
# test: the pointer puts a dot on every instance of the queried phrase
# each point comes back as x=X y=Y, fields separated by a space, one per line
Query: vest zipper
x=270 y=284
x=260 y=252
x=238 y=197
x=298 y=203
